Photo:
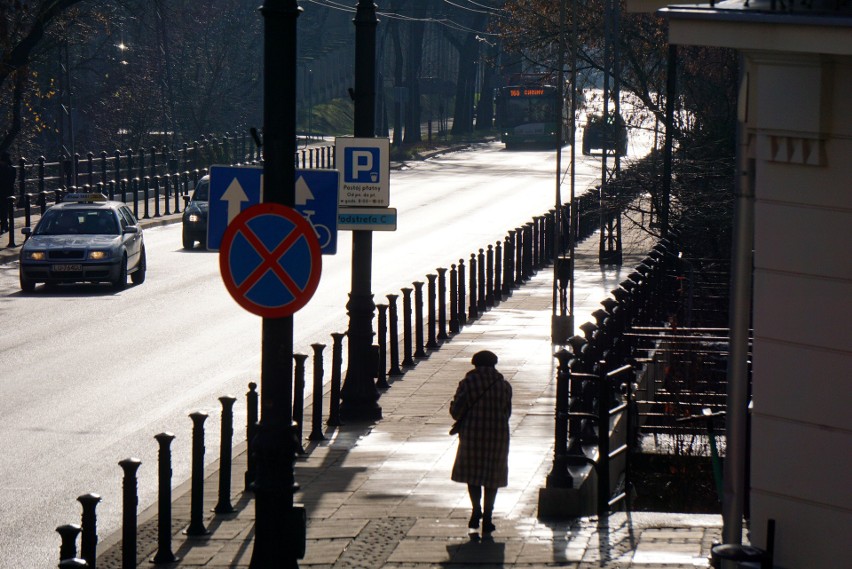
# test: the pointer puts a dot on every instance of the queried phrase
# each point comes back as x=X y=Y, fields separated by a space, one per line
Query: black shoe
x=487 y=526
x=473 y=523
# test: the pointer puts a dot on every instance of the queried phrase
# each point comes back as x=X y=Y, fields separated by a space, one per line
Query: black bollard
x=431 y=340
x=251 y=432
x=489 y=277
x=419 y=352
x=196 y=514
x=164 y=504
x=130 y=501
x=382 y=363
x=560 y=476
x=407 y=360
x=299 y=399
x=442 y=303
x=27 y=210
x=520 y=247
x=461 y=311
x=316 y=417
x=336 y=373
x=473 y=313
x=498 y=273
x=508 y=270
x=226 y=440
x=146 y=191
x=167 y=192
x=393 y=326
x=68 y=547
x=454 y=316
x=89 y=523
x=12 y=200
x=157 y=196
x=480 y=297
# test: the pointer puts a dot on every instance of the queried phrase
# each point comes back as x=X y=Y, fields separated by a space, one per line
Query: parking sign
x=365 y=171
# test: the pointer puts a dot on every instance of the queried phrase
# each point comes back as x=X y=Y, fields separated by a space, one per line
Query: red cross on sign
x=270 y=260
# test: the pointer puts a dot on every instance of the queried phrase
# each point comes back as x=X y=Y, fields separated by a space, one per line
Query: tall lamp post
x=279 y=526
x=359 y=396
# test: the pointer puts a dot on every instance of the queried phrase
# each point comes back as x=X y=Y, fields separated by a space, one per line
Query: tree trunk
x=463 y=112
x=412 y=81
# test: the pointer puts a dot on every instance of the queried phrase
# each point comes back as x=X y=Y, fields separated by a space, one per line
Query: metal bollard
x=28 y=210
x=407 y=360
x=528 y=251
x=157 y=196
x=130 y=501
x=336 y=372
x=473 y=312
x=382 y=364
x=68 y=547
x=498 y=273
x=431 y=340
x=164 y=501
x=11 y=205
x=559 y=476
x=454 y=317
x=196 y=514
x=316 y=418
x=89 y=523
x=462 y=309
x=146 y=188
x=520 y=248
x=134 y=187
x=393 y=326
x=419 y=352
x=167 y=192
x=299 y=399
x=480 y=295
x=442 y=303
x=226 y=440
x=251 y=431
x=489 y=277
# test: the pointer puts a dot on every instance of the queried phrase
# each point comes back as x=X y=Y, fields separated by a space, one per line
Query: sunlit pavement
x=380 y=495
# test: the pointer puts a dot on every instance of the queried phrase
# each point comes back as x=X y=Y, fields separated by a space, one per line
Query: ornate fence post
x=419 y=352
x=223 y=506
x=431 y=340
x=130 y=501
x=382 y=365
x=407 y=360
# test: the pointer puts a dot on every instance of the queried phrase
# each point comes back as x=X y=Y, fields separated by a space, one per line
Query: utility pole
x=359 y=396
x=279 y=526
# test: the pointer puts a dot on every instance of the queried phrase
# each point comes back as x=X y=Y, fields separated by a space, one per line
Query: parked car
x=607 y=136
x=85 y=238
x=195 y=215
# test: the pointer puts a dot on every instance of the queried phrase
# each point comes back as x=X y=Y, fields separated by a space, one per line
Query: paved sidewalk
x=380 y=496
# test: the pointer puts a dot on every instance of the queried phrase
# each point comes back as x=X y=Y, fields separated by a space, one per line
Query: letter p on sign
x=361 y=165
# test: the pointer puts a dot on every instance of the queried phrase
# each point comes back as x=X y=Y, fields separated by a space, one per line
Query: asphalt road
x=89 y=376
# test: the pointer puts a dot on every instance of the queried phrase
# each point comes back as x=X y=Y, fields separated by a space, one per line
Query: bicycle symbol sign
x=316 y=200
x=270 y=260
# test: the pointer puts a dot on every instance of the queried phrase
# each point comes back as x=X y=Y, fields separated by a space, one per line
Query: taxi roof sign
x=85 y=197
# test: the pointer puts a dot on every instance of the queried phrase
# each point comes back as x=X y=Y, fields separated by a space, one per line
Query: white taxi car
x=85 y=238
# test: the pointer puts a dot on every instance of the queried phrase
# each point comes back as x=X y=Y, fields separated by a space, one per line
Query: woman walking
x=481 y=407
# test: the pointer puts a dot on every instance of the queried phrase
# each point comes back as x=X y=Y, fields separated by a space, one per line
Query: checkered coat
x=483 y=454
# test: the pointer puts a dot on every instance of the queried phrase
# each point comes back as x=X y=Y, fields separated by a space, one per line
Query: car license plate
x=67 y=268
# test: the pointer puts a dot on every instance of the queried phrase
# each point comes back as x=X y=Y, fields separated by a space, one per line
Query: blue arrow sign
x=316 y=199
x=232 y=190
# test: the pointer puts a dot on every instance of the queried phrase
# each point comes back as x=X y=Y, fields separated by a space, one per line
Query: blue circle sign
x=270 y=260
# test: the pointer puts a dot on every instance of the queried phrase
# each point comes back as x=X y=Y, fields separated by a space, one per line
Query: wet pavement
x=380 y=496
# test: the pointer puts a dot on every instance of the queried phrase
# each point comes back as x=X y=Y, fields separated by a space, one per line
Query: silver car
x=85 y=238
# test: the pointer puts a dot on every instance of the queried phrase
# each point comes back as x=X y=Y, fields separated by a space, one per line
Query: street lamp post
x=279 y=526
x=359 y=396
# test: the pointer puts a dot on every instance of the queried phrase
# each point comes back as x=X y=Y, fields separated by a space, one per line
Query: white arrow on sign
x=303 y=192
x=234 y=196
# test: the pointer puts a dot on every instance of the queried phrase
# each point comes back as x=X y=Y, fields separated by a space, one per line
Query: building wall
x=800 y=137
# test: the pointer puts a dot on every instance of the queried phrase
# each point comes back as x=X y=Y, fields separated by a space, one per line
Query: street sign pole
x=359 y=396
x=279 y=526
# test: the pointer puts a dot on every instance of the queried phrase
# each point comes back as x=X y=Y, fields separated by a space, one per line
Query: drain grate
x=374 y=545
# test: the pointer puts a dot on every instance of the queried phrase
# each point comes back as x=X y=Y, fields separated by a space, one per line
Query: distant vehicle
x=606 y=136
x=85 y=238
x=527 y=115
x=195 y=215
